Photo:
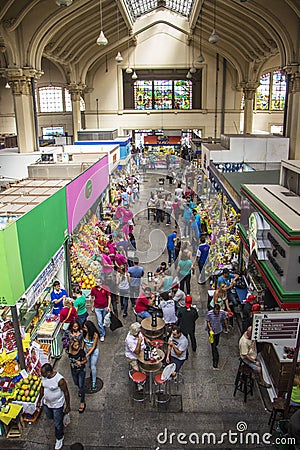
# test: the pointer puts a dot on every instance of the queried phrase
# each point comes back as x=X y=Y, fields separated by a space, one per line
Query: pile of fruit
x=88 y=282
x=11 y=368
x=28 y=390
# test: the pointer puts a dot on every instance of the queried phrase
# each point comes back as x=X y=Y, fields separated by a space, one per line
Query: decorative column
x=76 y=91
x=249 y=90
x=20 y=81
x=293 y=110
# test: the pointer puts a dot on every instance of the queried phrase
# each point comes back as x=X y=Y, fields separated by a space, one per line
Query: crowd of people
x=123 y=289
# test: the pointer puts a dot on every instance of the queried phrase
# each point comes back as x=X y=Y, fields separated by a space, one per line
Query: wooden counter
x=278 y=367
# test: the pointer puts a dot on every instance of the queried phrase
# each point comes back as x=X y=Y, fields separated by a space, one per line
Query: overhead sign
x=258 y=235
x=276 y=328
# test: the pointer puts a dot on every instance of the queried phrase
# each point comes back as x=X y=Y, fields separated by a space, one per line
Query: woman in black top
x=77 y=362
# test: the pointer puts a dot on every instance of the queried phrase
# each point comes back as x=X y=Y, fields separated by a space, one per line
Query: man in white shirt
x=134 y=344
x=168 y=310
x=178 y=296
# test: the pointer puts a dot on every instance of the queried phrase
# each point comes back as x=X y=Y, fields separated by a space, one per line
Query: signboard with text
x=276 y=327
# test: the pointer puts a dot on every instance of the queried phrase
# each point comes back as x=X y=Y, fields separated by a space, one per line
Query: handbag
x=114 y=322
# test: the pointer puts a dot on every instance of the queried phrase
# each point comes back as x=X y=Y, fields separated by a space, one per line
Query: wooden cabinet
x=278 y=368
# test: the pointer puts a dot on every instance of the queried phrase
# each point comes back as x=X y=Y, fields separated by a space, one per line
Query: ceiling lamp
x=119 y=57
x=129 y=70
x=7 y=86
x=64 y=2
x=200 y=58
x=193 y=69
x=101 y=39
x=214 y=37
x=134 y=75
x=189 y=75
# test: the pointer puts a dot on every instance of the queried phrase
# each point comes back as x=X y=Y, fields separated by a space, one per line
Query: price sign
x=277 y=328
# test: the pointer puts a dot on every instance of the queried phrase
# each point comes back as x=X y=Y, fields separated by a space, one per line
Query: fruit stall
x=20 y=386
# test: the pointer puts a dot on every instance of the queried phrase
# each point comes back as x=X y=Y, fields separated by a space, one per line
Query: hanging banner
x=85 y=190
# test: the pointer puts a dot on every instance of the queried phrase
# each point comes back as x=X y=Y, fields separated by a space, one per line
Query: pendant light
x=7 y=86
x=214 y=37
x=200 y=58
x=101 y=39
x=129 y=69
x=119 y=57
x=134 y=76
x=189 y=75
x=193 y=68
x=64 y=2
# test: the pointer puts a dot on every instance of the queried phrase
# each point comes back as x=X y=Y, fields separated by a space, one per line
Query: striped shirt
x=216 y=320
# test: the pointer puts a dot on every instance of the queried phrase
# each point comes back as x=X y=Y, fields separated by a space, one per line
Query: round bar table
x=150 y=367
x=150 y=331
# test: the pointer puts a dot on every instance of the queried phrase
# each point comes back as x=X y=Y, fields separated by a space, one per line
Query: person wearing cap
x=247 y=312
x=144 y=300
x=215 y=319
x=135 y=342
x=248 y=354
x=178 y=296
x=187 y=317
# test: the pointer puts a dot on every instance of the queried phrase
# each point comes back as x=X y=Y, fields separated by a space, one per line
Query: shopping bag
x=106 y=321
x=115 y=322
x=211 y=337
x=67 y=420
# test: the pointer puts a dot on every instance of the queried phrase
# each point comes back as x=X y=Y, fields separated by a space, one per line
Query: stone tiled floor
x=203 y=404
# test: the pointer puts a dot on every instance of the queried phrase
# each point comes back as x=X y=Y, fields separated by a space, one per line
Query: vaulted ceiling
x=250 y=31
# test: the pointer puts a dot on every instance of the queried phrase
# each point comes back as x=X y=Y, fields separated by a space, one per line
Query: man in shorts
x=248 y=354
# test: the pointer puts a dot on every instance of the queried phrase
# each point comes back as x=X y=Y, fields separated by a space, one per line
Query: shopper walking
x=80 y=305
x=136 y=273
x=187 y=317
x=187 y=216
x=91 y=338
x=185 y=268
x=55 y=396
x=171 y=239
x=168 y=209
x=215 y=320
x=122 y=281
x=101 y=305
x=202 y=258
x=78 y=361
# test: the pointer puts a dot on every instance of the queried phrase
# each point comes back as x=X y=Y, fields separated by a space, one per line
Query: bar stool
x=243 y=380
x=137 y=318
x=138 y=380
x=278 y=407
x=162 y=392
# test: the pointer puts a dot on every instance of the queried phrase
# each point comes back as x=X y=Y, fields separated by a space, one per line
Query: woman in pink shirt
x=120 y=258
x=107 y=264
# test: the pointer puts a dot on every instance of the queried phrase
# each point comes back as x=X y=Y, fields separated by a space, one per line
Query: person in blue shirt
x=136 y=273
x=152 y=161
x=195 y=235
x=202 y=255
x=172 y=238
x=229 y=279
x=198 y=219
x=187 y=216
x=57 y=298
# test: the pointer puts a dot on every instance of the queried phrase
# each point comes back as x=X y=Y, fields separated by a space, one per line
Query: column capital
x=76 y=90
x=20 y=79
x=249 y=89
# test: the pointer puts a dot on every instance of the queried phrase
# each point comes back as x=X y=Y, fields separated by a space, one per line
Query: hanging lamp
x=129 y=69
x=119 y=57
x=193 y=68
x=214 y=37
x=200 y=58
x=7 y=86
x=101 y=39
x=64 y=2
x=134 y=75
x=189 y=75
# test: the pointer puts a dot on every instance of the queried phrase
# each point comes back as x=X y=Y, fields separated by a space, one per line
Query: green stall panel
x=11 y=274
x=41 y=232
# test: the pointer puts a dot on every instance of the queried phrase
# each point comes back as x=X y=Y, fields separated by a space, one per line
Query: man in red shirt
x=101 y=302
x=144 y=300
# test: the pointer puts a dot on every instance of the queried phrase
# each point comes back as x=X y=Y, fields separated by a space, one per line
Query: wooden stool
x=138 y=385
x=278 y=407
x=244 y=381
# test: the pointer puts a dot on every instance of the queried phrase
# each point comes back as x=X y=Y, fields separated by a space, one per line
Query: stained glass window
x=143 y=94
x=182 y=94
x=263 y=92
x=163 y=94
x=51 y=99
x=270 y=95
x=278 y=90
